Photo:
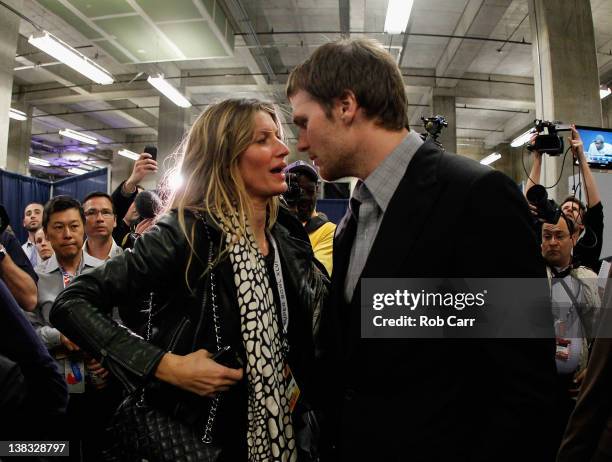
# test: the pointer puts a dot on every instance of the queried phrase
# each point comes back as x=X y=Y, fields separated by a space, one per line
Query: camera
x=294 y=191
x=293 y=172
x=548 y=210
x=548 y=140
x=434 y=125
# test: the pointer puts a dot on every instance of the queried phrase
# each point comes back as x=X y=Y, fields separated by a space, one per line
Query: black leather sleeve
x=82 y=311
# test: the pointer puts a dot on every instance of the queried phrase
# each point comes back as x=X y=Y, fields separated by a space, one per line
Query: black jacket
x=121 y=203
x=32 y=402
x=182 y=317
x=437 y=400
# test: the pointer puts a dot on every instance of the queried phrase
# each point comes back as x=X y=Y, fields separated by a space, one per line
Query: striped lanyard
x=66 y=277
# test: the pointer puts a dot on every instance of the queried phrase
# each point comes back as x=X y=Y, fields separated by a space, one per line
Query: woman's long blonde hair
x=208 y=163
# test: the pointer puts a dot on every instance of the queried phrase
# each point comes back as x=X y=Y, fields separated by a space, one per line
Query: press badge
x=74 y=374
x=293 y=390
x=563 y=349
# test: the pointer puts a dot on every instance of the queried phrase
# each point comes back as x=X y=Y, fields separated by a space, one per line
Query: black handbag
x=141 y=431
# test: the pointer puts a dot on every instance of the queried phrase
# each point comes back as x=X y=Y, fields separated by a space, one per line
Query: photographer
x=589 y=220
x=123 y=196
x=302 y=200
x=576 y=305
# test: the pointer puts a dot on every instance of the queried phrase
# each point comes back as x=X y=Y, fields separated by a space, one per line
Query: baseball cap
x=299 y=166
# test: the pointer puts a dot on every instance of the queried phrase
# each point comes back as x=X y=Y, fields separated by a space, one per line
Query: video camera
x=294 y=191
x=434 y=125
x=547 y=141
x=293 y=172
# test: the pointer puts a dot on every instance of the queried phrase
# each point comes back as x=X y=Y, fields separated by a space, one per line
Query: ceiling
x=223 y=48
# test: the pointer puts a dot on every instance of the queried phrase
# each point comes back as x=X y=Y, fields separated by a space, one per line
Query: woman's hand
x=197 y=373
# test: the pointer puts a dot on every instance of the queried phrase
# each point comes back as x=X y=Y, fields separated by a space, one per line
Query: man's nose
x=302 y=142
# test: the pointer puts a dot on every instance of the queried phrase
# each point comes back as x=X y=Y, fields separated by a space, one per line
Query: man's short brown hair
x=362 y=67
x=576 y=201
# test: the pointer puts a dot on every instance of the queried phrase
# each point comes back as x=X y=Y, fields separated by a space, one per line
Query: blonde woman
x=227 y=278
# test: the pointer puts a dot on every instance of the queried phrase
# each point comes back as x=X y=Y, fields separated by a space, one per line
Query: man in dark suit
x=417 y=212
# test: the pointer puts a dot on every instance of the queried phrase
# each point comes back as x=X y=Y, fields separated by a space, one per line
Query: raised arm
x=590 y=186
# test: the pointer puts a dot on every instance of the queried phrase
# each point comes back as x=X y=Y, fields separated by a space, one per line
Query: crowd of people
x=227 y=326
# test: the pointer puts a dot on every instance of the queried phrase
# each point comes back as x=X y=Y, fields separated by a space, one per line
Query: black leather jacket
x=182 y=314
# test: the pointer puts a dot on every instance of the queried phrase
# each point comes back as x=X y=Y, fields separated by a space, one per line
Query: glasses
x=106 y=213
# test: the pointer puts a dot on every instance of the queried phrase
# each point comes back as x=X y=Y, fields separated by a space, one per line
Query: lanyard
x=66 y=277
x=278 y=275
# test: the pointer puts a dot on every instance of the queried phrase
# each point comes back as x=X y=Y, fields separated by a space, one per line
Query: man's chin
x=67 y=255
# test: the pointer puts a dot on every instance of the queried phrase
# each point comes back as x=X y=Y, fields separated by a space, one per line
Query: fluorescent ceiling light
x=39 y=161
x=17 y=114
x=76 y=171
x=398 y=14
x=491 y=158
x=78 y=136
x=169 y=91
x=521 y=139
x=603 y=92
x=71 y=57
x=128 y=154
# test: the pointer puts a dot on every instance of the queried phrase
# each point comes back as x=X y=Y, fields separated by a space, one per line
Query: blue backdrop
x=80 y=185
x=333 y=208
x=17 y=191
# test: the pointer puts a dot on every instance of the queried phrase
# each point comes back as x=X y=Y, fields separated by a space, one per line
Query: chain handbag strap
x=214 y=405
x=212 y=413
x=141 y=401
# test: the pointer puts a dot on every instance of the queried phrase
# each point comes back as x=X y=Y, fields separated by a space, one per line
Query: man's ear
x=346 y=106
x=574 y=238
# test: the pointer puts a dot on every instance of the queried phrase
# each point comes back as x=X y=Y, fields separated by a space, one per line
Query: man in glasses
x=100 y=220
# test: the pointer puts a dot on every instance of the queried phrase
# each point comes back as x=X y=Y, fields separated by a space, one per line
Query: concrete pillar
x=19 y=141
x=565 y=74
x=606 y=109
x=170 y=131
x=443 y=104
x=9 y=25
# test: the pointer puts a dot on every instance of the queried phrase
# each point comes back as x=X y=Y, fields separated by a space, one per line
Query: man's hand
x=131 y=215
x=197 y=373
x=144 y=166
x=101 y=374
x=577 y=145
x=65 y=341
x=537 y=155
x=534 y=211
